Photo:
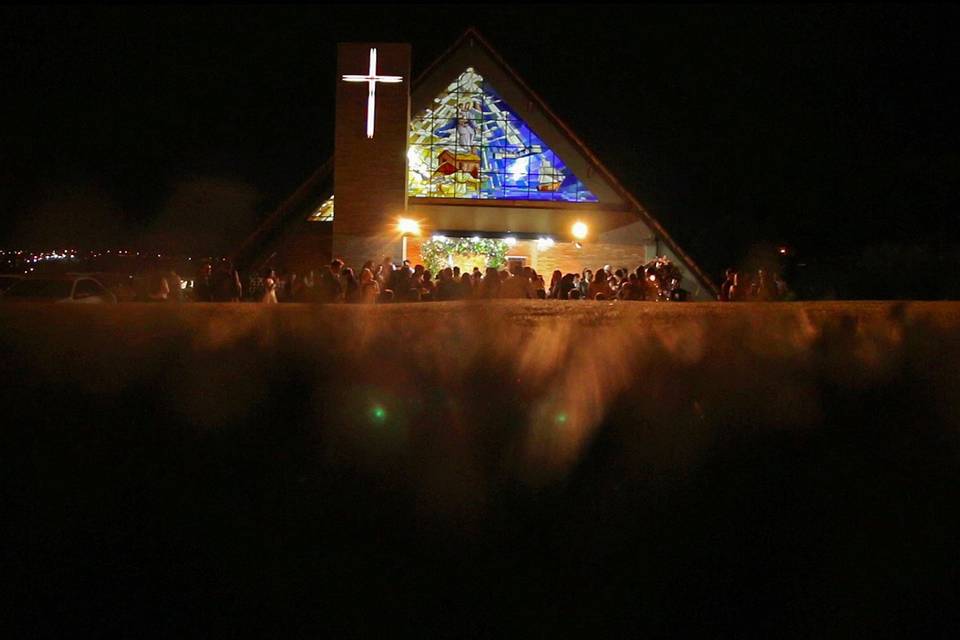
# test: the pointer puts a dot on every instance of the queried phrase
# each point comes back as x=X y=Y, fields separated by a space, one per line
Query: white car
x=72 y=289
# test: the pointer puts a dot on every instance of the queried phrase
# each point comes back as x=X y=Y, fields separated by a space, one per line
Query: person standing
x=350 y=286
x=369 y=287
x=599 y=287
x=555 y=278
x=226 y=284
x=763 y=289
x=269 y=295
x=202 y=286
x=159 y=289
x=331 y=288
x=385 y=277
x=585 y=283
x=446 y=288
x=727 y=285
x=565 y=286
x=490 y=285
x=740 y=289
x=465 y=286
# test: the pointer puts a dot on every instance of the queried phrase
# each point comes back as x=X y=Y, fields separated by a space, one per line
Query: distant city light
x=26 y=261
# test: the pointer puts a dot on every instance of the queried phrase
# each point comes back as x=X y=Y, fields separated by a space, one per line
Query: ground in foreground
x=667 y=469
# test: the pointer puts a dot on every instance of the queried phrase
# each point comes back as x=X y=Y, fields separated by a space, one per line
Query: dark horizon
x=829 y=129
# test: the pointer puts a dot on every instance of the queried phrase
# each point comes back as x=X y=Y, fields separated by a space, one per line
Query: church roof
x=319 y=185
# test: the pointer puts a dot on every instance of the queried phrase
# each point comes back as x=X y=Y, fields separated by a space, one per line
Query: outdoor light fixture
x=579 y=230
x=407 y=226
x=544 y=243
x=510 y=241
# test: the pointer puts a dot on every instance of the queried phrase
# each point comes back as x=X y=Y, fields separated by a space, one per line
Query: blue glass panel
x=471 y=144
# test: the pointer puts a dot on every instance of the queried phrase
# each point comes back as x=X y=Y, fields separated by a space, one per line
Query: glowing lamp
x=544 y=243
x=579 y=230
x=408 y=226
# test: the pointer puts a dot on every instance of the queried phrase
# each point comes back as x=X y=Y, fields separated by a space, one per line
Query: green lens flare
x=378 y=413
x=561 y=418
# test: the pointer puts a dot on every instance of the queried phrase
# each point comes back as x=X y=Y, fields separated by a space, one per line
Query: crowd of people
x=657 y=280
x=758 y=286
x=220 y=284
x=390 y=282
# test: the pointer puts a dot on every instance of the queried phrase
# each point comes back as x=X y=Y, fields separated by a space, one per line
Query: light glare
x=579 y=230
x=406 y=225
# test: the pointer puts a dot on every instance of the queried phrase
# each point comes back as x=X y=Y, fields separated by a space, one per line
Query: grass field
x=544 y=468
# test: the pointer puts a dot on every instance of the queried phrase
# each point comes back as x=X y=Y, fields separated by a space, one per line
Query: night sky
x=831 y=129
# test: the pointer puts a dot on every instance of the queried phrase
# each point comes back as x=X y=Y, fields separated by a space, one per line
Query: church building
x=464 y=166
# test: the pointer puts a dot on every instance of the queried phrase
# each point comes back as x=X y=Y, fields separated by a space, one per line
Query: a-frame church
x=465 y=156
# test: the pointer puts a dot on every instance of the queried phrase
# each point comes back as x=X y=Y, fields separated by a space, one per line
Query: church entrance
x=468 y=253
x=502 y=253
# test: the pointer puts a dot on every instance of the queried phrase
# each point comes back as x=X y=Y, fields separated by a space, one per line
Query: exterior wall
x=370 y=176
x=413 y=251
x=492 y=216
x=568 y=259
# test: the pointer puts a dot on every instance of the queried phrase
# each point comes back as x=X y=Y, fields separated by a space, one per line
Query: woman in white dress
x=269 y=288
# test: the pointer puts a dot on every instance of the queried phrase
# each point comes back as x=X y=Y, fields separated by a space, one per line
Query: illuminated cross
x=372 y=79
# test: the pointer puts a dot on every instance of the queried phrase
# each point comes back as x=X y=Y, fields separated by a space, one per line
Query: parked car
x=119 y=284
x=70 y=289
x=7 y=280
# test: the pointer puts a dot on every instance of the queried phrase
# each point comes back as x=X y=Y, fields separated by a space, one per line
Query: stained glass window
x=324 y=212
x=471 y=144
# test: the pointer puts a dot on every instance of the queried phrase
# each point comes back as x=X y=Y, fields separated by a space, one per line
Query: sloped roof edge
x=653 y=223
x=287 y=208
x=290 y=206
